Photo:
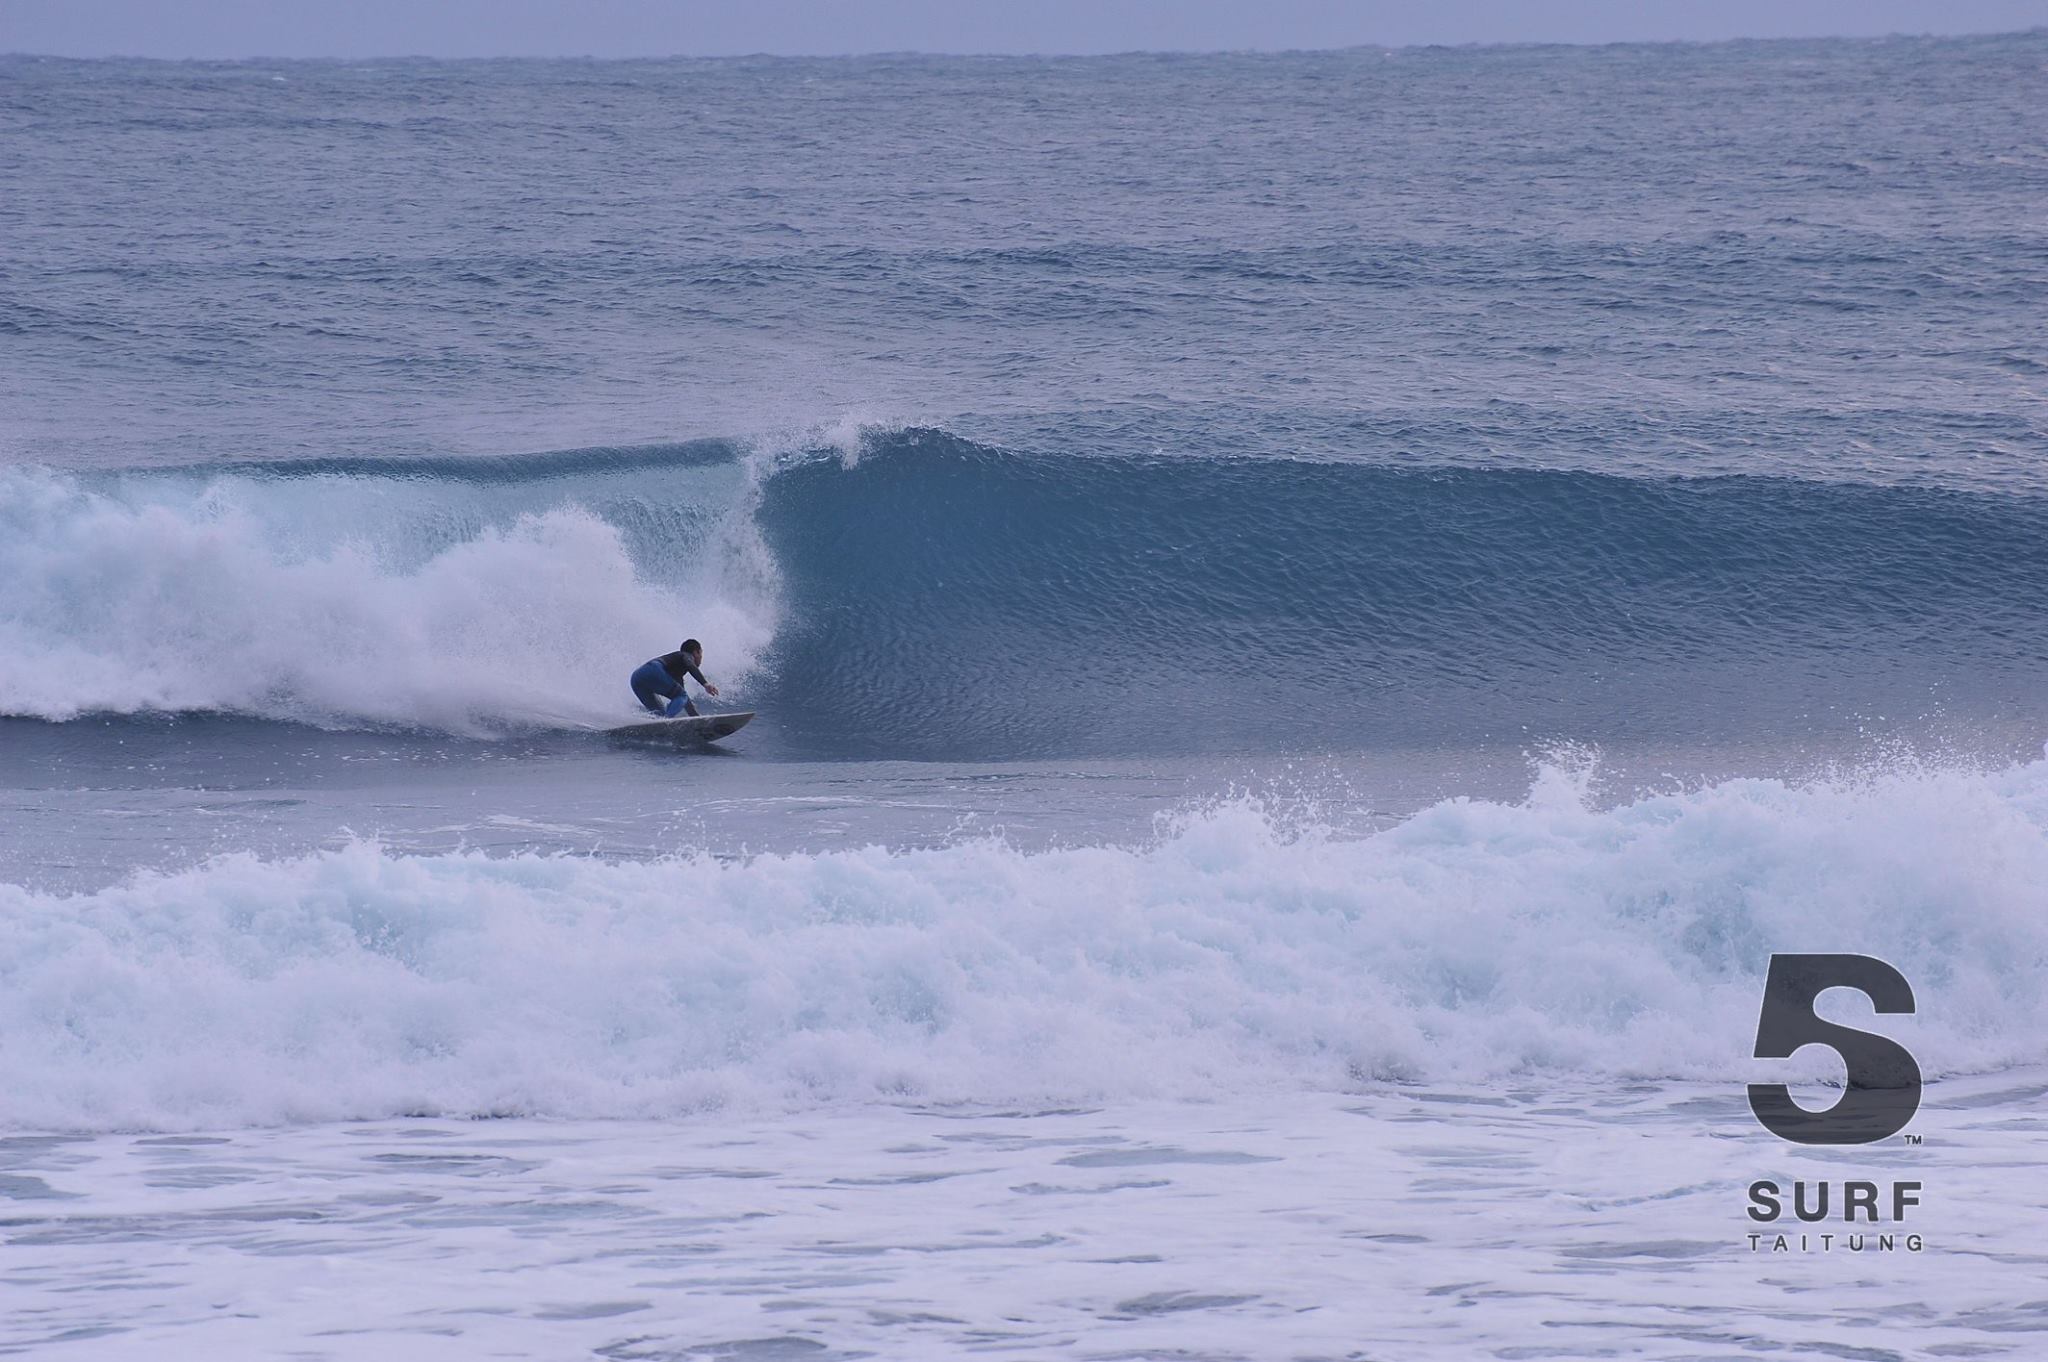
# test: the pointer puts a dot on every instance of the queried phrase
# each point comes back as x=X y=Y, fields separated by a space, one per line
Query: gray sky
x=619 y=28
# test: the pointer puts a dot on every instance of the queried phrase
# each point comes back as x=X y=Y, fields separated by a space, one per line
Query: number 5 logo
x=1883 y=1087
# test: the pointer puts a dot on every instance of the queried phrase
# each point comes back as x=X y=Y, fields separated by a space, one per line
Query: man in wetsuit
x=661 y=680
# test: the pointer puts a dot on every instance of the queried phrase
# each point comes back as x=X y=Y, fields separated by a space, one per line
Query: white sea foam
x=344 y=600
x=1231 y=955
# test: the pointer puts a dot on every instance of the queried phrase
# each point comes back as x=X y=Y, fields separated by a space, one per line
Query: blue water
x=1802 y=259
x=1144 y=429
x=1370 y=418
x=1699 y=397
x=1315 y=621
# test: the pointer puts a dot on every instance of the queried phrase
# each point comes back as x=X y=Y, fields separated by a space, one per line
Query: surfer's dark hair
x=691 y=645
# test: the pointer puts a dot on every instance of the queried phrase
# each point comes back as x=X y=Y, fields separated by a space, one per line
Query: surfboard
x=683 y=729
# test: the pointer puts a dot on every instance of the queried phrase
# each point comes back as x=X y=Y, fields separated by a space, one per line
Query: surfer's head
x=693 y=648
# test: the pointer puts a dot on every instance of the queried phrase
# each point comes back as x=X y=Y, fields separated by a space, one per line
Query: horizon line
x=1047 y=55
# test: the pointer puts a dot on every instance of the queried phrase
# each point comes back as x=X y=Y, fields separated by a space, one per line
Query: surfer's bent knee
x=652 y=685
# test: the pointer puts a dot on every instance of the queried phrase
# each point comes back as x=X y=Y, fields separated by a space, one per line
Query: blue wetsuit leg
x=652 y=685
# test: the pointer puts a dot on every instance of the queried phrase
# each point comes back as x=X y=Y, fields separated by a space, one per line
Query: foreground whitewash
x=1503 y=1221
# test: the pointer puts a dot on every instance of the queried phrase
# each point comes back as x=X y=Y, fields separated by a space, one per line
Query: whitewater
x=917 y=1100
x=1233 y=954
x=1316 y=619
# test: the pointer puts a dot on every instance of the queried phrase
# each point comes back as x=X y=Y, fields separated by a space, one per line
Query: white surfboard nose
x=685 y=728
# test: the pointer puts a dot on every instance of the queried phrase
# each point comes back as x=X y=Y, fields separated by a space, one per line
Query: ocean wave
x=1237 y=952
x=970 y=593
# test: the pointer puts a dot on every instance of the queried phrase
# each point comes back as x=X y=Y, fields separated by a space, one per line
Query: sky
x=651 y=28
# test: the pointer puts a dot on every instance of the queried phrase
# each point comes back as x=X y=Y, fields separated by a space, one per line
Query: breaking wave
x=965 y=592
x=1233 y=953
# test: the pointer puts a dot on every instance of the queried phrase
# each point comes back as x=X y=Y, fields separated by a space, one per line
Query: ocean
x=1316 y=621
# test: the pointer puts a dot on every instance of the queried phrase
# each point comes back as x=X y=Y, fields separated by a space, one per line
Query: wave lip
x=1234 y=954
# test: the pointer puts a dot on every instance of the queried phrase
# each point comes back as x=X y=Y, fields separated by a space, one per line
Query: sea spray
x=1235 y=953
x=350 y=601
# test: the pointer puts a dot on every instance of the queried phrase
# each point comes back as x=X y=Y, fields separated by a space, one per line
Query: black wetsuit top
x=677 y=665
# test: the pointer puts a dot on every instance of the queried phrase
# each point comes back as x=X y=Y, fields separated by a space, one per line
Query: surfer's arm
x=709 y=689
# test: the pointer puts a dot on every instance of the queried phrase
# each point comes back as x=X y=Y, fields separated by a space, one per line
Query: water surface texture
x=1316 y=619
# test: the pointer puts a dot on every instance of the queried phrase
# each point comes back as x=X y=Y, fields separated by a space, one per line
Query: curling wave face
x=962 y=592
x=1234 y=953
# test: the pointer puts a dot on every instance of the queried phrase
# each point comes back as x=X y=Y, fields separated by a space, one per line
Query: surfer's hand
x=710 y=689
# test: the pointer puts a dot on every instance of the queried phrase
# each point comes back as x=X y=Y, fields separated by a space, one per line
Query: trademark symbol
x=1912 y=1139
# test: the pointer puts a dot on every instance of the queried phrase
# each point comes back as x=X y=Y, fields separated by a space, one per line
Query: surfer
x=661 y=679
